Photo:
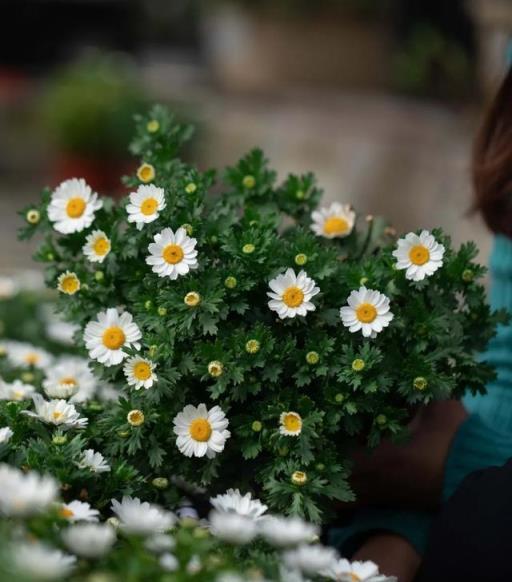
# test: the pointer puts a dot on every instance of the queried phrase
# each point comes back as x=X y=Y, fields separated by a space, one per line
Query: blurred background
x=380 y=98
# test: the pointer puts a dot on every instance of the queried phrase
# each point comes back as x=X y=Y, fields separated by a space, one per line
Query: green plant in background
x=88 y=106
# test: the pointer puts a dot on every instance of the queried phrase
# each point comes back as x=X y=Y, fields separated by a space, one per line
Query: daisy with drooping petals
x=290 y=424
x=172 y=255
x=24 y=354
x=287 y=531
x=57 y=412
x=72 y=206
x=89 y=540
x=78 y=511
x=336 y=221
x=142 y=517
x=5 y=435
x=233 y=501
x=68 y=283
x=70 y=378
x=421 y=255
x=93 y=461
x=232 y=527
x=24 y=494
x=345 y=571
x=139 y=372
x=106 y=337
x=291 y=294
x=16 y=390
x=37 y=561
x=311 y=560
x=97 y=246
x=145 y=205
x=367 y=311
x=201 y=431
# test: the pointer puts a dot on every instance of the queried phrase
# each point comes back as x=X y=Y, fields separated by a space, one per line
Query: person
x=449 y=440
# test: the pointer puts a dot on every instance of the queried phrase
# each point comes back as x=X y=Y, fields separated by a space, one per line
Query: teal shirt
x=483 y=440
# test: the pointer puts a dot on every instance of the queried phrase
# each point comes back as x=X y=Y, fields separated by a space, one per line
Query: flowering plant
x=254 y=337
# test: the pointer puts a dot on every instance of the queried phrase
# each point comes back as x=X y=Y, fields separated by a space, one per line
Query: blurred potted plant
x=274 y=43
x=88 y=109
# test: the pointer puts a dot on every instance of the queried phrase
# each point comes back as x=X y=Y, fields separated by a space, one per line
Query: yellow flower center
x=293 y=297
x=136 y=417
x=192 y=299
x=146 y=173
x=419 y=255
x=200 y=430
x=292 y=422
x=101 y=246
x=354 y=577
x=113 y=338
x=142 y=371
x=32 y=358
x=75 y=207
x=56 y=415
x=149 y=206
x=299 y=477
x=70 y=284
x=65 y=512
x=68 y=380
x=335 y=225
x=173 y=254
x=366 y=313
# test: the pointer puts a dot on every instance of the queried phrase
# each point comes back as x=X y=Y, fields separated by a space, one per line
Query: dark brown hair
x=492 y=162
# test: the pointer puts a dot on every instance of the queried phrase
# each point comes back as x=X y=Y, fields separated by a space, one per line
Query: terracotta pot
x=103 y=175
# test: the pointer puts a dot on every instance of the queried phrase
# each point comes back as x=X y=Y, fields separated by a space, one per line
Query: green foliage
x=250 y=230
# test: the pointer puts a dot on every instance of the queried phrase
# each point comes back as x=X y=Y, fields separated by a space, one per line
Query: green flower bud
x=189 y=228
x=283 y=451
x=249 y=182
x=299 y=478
x=252 y=346
x=300 y=195
x=152 y=126
x=33 y=216
x=301 y=259
x=192 y=299
x=99 y=276
x=257 y=426
x=312 y=358
x=27 y=377
x=248 y=248
x=358 y=365
x=363 y=280
x=381 y=419
x=214 y=240
x=230 y=282
x=215 y=368
x=162 y=311
x=160 y=483
x=60 y=439
x=339 y=398
x=95 y=406
x=190 y=188
x=153 y=350
x=148 y=305
x=320 y=467
x=50 y=257
x=123 y=434
x=420 y=383
x=200 y=533
x=468 y=275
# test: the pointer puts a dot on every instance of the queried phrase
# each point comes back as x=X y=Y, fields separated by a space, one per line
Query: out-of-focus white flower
x=311 y=560
x=70 y=378
x=169 y=562
x=5 y=434
x=16 y=390
x=233 y=501
x=142 y=517
x=23 y=355
x=345 y=571
x=78 y=511
x=57 y=412
x=334 y=221
x=61 y=332
x=8 y=287
x=232 y=527
x=37 y=561
x=93 y=461
x=89 y=540
x=287 y=531
x=159 y=543
x=24 y=494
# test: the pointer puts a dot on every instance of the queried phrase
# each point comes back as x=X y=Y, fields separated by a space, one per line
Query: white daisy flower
x=89 y=540
x=139 y=372
x=72 y=206
x=291 y=575
x=56 y=412
x=291 y=294
x=97 y=246
x=145 y=205
x=22 y=354
x=16 y=390
x=172 y=255
x=421 y=255
x=8 y=287
x=287 y=531
x=169 y=562
x=232 y=527
x=93 y=461
x=336 y=221
x=5 y=435
x=234 y=502
x=367 y=311
x=345 y=571
x=290 y=424
x=61 y=332
x=311 y=560
x=78 y=511
x=142 y=518
x=24 y=494
x=37 y=561
x=106 y=337
x=201 y=431
x=70 y=378
x=159 y=543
